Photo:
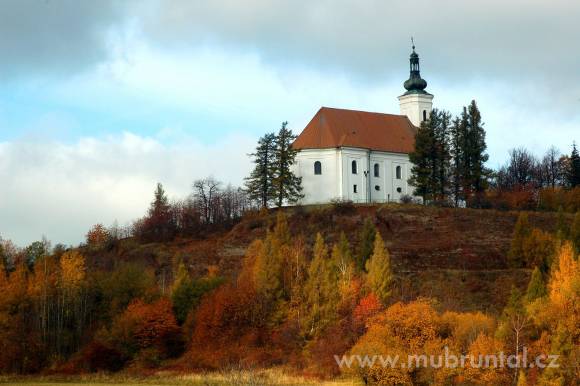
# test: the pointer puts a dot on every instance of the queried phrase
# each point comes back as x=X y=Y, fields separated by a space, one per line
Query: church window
x=376 y=167
x=317 y=167
x=354 y=189
x=398 y=172
x=399 y=190
x=424 y=115
x=377 y=188
x=354 y=167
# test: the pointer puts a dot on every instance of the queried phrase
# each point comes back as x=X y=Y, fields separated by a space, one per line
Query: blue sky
x=100 y=100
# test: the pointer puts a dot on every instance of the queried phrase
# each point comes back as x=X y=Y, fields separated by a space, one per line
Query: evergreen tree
x=380 y=277
x=366 y=243
x=536 y=287
x=476 y=150
x=521 y=231
x=259 y=184
x=287 y=187
x=458 y=157
x=573 y=175
x=430 y=159
x=159 y=224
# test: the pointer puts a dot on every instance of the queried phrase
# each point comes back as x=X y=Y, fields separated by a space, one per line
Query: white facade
x=416 y=107
x=378 y=176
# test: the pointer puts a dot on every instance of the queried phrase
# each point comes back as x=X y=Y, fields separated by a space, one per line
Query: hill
x=457 y=256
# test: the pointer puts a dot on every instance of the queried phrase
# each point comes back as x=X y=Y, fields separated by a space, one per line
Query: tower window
x=424 y=115
x=398 y=172
x=399 y=190
x=354 y=167
x=317 y=168
x=354 y=190
x=376 y=167
x=377 y=188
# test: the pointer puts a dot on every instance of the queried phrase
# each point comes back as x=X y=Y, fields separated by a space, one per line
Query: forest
x=296 y=300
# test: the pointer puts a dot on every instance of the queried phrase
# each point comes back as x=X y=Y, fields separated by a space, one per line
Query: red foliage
x=144 y=326
x=368 y=307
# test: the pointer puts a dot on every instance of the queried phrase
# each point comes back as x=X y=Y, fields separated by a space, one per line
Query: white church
x=362 y=156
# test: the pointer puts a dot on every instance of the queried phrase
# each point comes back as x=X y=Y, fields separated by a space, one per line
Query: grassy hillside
x=457 y=256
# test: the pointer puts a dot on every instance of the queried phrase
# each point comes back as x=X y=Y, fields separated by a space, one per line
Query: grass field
x=235 y=378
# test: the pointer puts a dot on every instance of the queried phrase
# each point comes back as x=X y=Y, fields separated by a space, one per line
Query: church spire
x=415 y=84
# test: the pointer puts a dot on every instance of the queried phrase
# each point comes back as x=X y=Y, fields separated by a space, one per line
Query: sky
x=100 y=100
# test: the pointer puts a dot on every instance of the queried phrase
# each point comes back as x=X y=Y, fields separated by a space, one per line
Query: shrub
x=98 y=356
x=342 y=207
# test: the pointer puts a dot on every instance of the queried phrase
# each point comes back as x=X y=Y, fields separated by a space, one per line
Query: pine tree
x=287 y=187
x=573 y=175
x=159 y=224
x=430 y=159
x=366 y=243
x=476 y=150
x=459 y=162
x=380 y=277
x=259 y=184
x=521 y=231
x=536 y=287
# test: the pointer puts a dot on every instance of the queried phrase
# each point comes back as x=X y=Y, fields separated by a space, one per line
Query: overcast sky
x=99 y=100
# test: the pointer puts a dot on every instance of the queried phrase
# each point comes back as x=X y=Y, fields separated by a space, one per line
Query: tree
x=458 y=147
x=287 y=187
x=521 y=232
x=98 y=236
x=343 y=261
x=159 y=225
x=476 y=150
x=380 y=277
x=573 y=175
x=536 y=287
x=366 y=243
x=321 y=291
x=430 y=159
x=259 y=184
x=551 y=167
x=205 y=192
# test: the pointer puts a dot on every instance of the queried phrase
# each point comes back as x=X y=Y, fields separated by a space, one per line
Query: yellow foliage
x=480 y=370
x=72 y=270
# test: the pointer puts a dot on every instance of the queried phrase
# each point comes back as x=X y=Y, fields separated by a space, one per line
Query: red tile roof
x=332 y=128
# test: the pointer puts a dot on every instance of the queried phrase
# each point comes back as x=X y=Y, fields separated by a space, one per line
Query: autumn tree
x=379 y=274
x=536 y=287
x=159 y=224
x=321 y=290
x=98 y=236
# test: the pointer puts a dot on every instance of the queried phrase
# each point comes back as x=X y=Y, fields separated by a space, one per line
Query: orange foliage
x=144 y=326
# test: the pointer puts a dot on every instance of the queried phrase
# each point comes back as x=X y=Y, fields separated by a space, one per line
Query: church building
x=362 y=156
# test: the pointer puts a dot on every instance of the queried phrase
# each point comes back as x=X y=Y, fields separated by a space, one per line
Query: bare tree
x=205 y=191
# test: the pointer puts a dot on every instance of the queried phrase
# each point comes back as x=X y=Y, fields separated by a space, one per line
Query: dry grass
x=230 y=377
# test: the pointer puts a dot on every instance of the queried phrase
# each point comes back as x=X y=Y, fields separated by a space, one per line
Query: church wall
x=324 y=187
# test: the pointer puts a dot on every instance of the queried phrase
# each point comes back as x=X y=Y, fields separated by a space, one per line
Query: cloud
x=519 y=42
x=41 y=37
x=60 y=190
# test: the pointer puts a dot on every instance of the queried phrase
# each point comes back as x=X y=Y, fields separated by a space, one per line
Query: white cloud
x=60 y=190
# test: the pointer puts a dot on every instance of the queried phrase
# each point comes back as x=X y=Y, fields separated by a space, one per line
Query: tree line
x=449 y=166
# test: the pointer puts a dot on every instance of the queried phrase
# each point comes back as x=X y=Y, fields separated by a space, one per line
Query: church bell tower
x=416 y=103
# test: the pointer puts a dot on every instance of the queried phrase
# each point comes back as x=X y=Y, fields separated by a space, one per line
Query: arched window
x=424 y=115
x=398 y=172
x=376 y=167
x=354 y=168
x=317 y=167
